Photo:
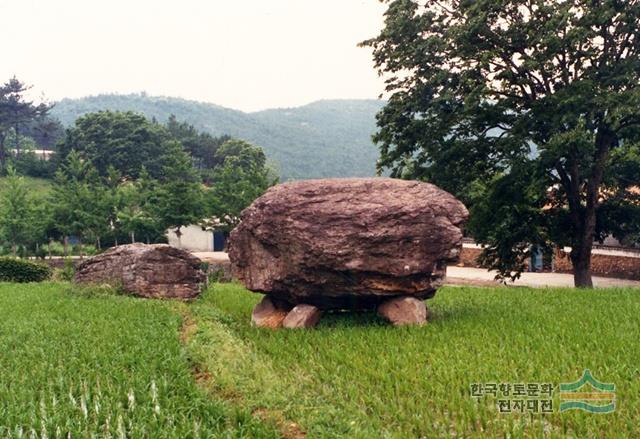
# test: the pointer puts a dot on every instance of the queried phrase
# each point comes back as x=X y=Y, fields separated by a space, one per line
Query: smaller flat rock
x=156 y=271
x=302 y=316
x=267 y=314
x=404 y=310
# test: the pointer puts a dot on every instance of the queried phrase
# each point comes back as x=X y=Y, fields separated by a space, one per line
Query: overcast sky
x=243 y=54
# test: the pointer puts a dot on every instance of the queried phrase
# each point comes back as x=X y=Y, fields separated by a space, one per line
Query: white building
x=195 y=239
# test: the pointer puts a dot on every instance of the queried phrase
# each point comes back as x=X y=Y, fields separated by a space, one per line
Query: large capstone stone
x=154 y=271
x=347 y=243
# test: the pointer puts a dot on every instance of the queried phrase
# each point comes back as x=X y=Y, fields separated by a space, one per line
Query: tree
x=135 y=212
x=242 y=178
x=16 y=112
x=46 y=131
x=179 y=200
x=202 y=146
x=126 y=141
x=76 y=200
x=527 y=110
x=16 y=211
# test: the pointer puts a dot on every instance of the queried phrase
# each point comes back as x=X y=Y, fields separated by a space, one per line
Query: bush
x=68 y=270
x=18 y=270
x=33 y=166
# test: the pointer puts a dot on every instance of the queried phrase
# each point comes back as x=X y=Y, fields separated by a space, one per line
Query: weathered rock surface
x=347 y=243
x=154 y=271
x=302 y=316
x=404 y=311
x=269 y=314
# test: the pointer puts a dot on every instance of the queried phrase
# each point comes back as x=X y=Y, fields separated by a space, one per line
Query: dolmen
x=146 y=270
x=346 y=244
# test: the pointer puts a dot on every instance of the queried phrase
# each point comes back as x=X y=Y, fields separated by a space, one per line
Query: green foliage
x=16 y=212
x=486 y=93
x=125 y=141
x=39 y=188
x=201 y=146
x=68 y=270
x=77 y=197
x=16 y=112
x=180 y=195
x=242 y=178
x=104 y=193
x=322 y=139
x=136 y=208
x=56 y=248
x=29 y=164
x=46 y=131
x=94 y=364
x=20 y=270
x=507 y=213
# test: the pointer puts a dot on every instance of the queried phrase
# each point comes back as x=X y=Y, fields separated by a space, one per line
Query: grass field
x=100 y=365
x=81 y=365
x=354 y=376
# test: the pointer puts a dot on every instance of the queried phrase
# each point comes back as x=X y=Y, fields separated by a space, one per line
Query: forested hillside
x=322 y=139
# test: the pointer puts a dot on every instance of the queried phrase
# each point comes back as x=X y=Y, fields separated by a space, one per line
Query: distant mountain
x=329 y=138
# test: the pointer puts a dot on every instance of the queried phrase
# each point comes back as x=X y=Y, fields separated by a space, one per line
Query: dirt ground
x=480 y=276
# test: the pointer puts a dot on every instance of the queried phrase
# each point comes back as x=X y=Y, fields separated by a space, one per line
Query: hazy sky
x=244 y=54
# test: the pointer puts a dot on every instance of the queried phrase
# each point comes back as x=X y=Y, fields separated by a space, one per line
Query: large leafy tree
x=527 y=109
x=125 y=141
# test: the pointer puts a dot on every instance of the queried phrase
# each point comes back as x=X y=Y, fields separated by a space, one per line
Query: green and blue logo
x=588 y=394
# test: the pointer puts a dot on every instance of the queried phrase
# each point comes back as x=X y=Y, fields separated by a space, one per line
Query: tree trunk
x=584 y=234
x=581 y=253
x=80 y=249
x=65 y=242
x=583 y=216
x=581 y=261
x=133 y=237
x=49 y=248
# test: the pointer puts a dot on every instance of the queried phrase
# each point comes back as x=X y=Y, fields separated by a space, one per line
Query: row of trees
x=109 y=209
x=122 y=177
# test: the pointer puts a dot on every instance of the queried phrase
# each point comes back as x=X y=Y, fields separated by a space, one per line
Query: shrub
x=68 y=270
x=18 y=270
x=87 y=250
